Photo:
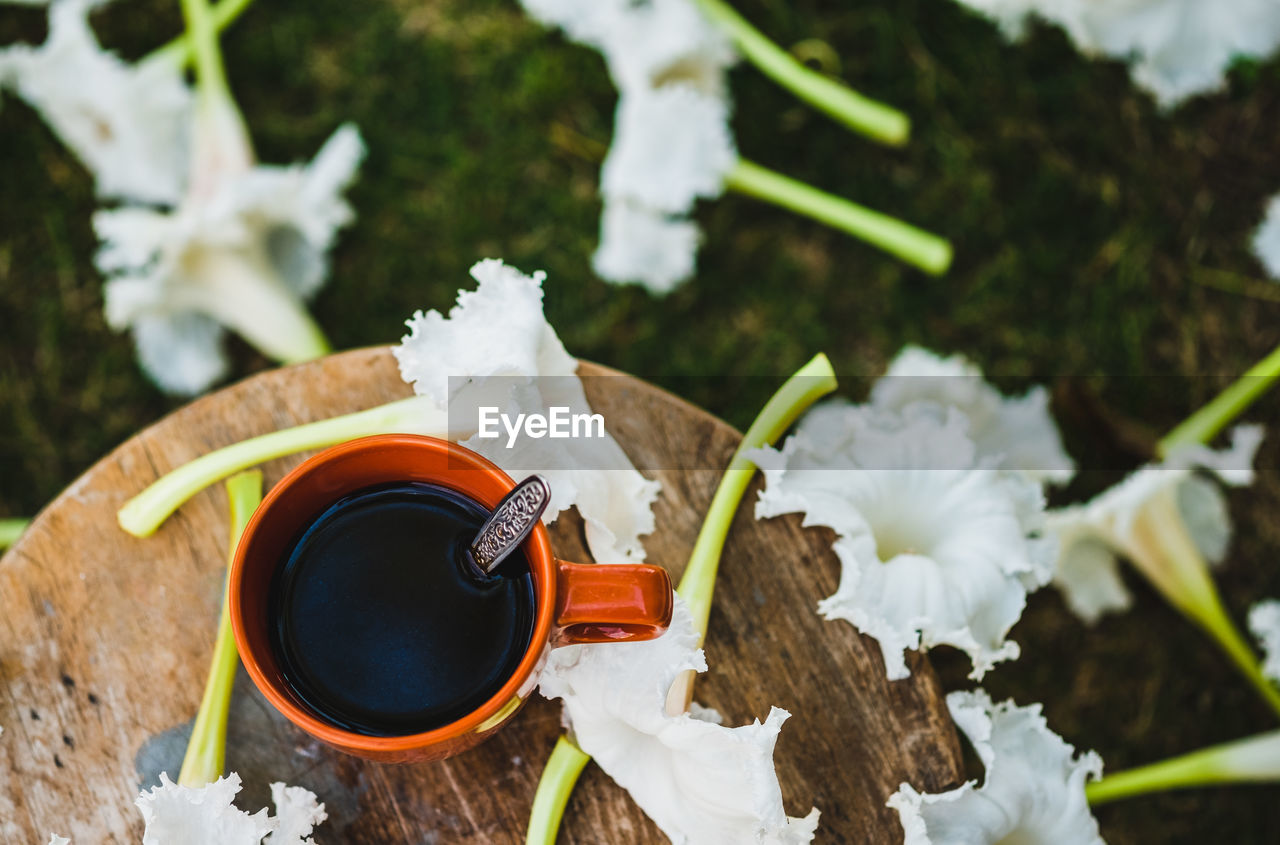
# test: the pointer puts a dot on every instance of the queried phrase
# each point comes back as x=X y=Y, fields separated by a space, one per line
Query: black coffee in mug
x=382 y=625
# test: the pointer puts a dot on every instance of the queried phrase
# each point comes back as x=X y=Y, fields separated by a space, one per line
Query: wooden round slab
x=105 y=642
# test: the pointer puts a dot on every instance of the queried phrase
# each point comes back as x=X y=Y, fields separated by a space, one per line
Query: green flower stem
x=813 y=380
x=211 y=77
x=1215 y=620
x=861 y=114
x=1201 y=426
x=564 y=766
x=144 y=513
x=206 y=750
x=914 y=246
x=242 y=292
x=1167 y=555
x=11 y=530
x=1252 y=760
x=180 y=50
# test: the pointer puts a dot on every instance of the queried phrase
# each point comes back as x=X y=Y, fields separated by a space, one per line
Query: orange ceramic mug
x=573 y=603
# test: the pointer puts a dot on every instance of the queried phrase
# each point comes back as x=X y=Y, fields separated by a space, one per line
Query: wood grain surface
x=105 y=641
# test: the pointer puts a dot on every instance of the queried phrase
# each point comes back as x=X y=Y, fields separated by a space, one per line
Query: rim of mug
x=538 y=551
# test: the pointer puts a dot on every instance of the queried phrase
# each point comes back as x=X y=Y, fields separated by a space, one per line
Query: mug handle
x=607 y=603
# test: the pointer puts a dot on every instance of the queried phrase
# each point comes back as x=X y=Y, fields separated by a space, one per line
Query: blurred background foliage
x=1101 y=248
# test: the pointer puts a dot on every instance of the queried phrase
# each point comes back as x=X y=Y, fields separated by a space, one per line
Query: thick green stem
x=1252 y=760
x=144 y=513
x=813 y=380
x=211 y=77
x=914 y=246
x=10 y=530
x=861 y=114
x=1215 y=620
x=180 y=50
x=1165 y=552
x=241 y=289
x=1201 y=426
x=697 y=586
x=562 y=771
x=206 y=750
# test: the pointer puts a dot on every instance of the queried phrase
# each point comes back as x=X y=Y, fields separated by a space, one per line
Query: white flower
x=182 y=815
x=1163 y=518
x=243 y=250
x=1177 y=48
x=1266 y=241
x=646 y=43
x=937 y=547
x=640 y=245
x=496 y=349
x=55 y=839
x=1264 y=622
x=1256 y=758
x=702 y=783
x=584 y=21
x=1018 y=430
x=497 y=330
x=297 y=814
x=182 y=352
x=1032 y=789
x=127 y=123
x=671 y=143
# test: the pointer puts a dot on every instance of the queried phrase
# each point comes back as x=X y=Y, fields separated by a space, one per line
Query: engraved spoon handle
x=511 y=521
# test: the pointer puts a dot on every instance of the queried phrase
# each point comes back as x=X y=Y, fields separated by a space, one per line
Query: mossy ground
x=1094 y=236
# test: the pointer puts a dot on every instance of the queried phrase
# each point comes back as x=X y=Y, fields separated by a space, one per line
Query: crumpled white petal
x=1266 y=240
x=1264 y=623
x=643 y=246
x=181 y=815
x=936 y=546
x=1088 y=576
x=182 y=353
x=1092 y=535
x=204 y=816
x=297 y=814
x=671 y=143
x=298 y=208
x=1019 y=430
x=702 y=783
x=242 y=255
x=496 y=349
x=496 y=330
x=646 y=43
x=1032 y=789
x=127 y=123
x=1176 y=48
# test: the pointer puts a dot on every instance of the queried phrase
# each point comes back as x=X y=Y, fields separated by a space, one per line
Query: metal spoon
x=510 y=522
